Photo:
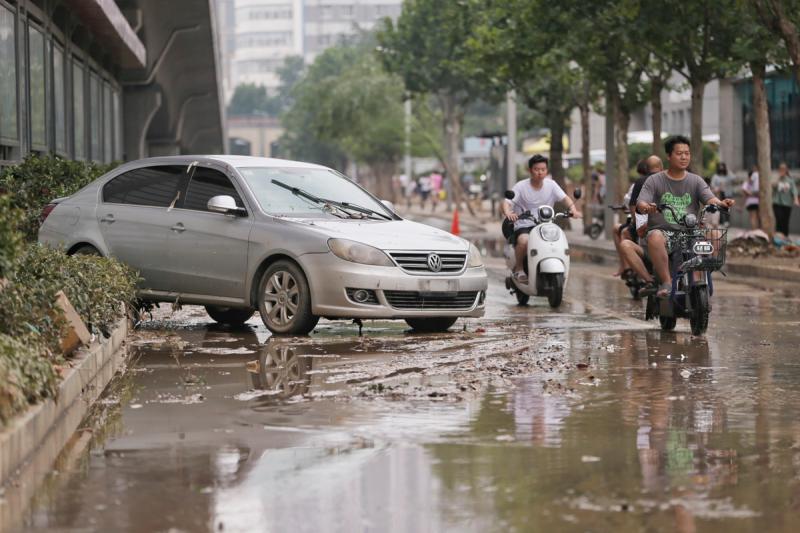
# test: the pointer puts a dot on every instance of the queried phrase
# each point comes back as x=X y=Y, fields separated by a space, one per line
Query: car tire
x=231 y=316
x=284 y=300
x=87 y=249
x=437 y=324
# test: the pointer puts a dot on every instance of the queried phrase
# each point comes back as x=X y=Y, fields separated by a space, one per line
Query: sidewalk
x=483 y=226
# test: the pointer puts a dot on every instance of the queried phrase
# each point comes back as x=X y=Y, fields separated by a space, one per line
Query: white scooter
x=546 y=261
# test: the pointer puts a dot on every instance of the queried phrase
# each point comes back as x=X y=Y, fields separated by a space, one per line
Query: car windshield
x=323 y=183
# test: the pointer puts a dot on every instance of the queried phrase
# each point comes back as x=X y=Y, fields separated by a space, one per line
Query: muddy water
x=583 y=420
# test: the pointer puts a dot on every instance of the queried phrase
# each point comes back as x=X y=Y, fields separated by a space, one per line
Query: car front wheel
x=431 y=325
x=284 y=300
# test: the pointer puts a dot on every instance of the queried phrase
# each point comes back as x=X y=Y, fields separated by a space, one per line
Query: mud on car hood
x=389 y=235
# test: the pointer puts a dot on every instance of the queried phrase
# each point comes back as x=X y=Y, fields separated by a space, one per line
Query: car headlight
x=475 y=259
x=549 y=232
x=358 y=253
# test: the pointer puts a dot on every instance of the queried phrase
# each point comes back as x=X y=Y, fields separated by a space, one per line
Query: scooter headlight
x=690 y=220
x=358 y=253
x=475 y=259
x=549 y=232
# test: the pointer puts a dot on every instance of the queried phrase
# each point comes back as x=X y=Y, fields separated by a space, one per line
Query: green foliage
x=38 y=180
x=252 y=99
x=25 y=376
x=10 y=240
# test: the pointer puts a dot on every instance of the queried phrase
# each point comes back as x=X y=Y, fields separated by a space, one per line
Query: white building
x=265 y=32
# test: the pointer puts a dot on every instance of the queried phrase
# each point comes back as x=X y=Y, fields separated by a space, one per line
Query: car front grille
x=431 y=300
x=417 y=262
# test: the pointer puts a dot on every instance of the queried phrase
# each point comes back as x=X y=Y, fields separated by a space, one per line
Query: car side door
x=134 y=219
x=208 y=250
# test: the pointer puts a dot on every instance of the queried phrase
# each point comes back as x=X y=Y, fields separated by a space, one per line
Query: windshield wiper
x=344 y=206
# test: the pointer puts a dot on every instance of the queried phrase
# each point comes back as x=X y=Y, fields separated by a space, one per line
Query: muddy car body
x=295 y=240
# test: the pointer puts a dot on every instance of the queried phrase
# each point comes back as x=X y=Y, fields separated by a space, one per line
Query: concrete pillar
x=140 y=105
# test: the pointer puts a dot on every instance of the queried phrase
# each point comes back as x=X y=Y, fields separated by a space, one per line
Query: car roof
x=238 y=161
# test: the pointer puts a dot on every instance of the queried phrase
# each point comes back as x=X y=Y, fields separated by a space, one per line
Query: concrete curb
x=50 y=424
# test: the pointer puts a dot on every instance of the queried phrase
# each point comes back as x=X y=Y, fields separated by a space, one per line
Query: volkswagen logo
x=434 y=262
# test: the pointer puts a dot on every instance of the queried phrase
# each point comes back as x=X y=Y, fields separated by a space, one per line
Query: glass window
x=117 y=128
x=108 y=136
x=58 y=97
x=8 y=75
x=37 y=93
x=275 y=199
x=95 y=116
x=78 y=111
x=149 y=186
x=207 y=183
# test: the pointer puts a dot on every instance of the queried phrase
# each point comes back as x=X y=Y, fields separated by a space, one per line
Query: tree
x=695 y=39
x=348 y=108
x=251 y=99
x=426 y=48
x=783 y=18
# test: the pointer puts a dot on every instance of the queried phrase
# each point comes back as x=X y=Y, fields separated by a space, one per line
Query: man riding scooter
x=683 y=192
x=529 y=195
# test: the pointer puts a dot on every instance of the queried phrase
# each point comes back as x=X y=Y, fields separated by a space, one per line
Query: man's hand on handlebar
x=513 y=217
x=728 y=202
x=647 y=208
x=574 y=213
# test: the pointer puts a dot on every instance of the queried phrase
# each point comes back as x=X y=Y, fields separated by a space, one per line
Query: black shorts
x=752 y=207
x=517 y=233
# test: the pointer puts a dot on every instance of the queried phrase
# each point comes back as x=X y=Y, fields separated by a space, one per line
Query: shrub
x=25 y=376
x=38 y=180
x=10 y=240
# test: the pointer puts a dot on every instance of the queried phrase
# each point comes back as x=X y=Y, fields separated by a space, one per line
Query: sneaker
x=520 y=276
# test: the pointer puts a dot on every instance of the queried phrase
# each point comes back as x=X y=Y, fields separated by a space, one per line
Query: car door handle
x=108 y=218
x=179 y=227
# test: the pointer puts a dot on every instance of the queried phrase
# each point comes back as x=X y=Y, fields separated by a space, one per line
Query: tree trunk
x=698 y=90
x=453 y=119
x=763 y=149
x=586 y=162
x=655 y=102
x=557 y=122
x=383 y=173
x=622 y=121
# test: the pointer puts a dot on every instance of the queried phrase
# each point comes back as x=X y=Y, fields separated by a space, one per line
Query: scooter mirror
x=510 y=195
x=577 y=194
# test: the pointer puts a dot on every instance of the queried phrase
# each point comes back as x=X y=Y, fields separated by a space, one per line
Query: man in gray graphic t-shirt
x=681 y=190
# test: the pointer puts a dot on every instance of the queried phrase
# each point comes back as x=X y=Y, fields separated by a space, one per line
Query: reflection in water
x=280 y=370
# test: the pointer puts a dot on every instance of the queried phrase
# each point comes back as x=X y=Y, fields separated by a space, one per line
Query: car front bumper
x=330 y=277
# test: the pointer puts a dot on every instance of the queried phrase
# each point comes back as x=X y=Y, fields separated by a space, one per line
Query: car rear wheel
x=232 y=316
x=437 y=324
x=87 y=249
x=284 y=300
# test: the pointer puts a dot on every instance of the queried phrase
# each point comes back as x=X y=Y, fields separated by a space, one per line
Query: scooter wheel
x=667 y=322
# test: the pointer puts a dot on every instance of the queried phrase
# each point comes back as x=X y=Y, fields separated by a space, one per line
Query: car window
x=150 y=186
x=205 y=184
x=320 y=182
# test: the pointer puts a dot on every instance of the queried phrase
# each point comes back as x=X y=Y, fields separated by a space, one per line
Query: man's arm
x=645 y=204
x=508 y=211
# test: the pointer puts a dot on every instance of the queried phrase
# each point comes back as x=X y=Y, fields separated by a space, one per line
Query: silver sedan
x=295 y=241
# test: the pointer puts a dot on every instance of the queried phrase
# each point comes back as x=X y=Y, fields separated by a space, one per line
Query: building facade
x=266 y=32
x=102 y=80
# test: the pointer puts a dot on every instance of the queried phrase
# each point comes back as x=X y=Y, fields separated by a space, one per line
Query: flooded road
x=586 y=419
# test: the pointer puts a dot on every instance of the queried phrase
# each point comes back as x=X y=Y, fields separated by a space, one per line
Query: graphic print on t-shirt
x=679 y=203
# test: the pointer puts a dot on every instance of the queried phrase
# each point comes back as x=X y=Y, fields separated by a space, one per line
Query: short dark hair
x=538 y=158
x=669 y=145
x=642 y=167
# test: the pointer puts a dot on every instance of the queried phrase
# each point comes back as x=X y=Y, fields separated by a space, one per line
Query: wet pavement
x=585 y=419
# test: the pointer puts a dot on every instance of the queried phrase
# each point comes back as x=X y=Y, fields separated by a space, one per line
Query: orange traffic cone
x=454 y=228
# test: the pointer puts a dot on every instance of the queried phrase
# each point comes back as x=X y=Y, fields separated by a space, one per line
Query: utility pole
x=611 y=169
x=511 y=143
x=407 y=156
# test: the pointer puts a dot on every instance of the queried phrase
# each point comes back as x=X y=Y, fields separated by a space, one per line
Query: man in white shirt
x=528 y=196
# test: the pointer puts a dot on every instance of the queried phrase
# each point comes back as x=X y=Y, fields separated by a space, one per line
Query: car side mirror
x=389 y=205
x=226 y=205
x=509 y=195
x=577 y=193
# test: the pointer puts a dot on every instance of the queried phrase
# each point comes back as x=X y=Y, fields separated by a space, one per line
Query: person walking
x=750 y=191
x=722 y=186
x=784 y=196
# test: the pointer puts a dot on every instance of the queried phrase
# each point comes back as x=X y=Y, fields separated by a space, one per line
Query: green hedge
x=10 y=240
x=38 y=180
x=25 y=376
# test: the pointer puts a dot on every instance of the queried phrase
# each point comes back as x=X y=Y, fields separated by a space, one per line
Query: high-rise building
x=266 y=32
